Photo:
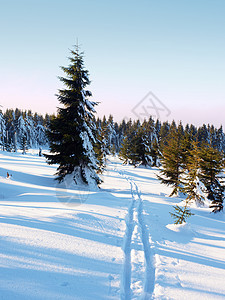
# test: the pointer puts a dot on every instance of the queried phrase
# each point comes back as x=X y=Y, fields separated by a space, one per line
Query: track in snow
x=135 y=217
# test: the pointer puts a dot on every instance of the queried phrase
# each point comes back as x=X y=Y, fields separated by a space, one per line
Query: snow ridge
x=137 y=206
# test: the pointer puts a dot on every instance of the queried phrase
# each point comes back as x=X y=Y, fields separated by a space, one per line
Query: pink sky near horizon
x=198 y=112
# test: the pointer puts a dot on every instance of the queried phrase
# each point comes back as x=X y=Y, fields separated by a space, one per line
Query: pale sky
x=171 y=48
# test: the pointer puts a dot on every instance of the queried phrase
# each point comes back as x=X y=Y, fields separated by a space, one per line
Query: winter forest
x=190 y=158
x=145 y=140
x=22 y=130
x=92 y=208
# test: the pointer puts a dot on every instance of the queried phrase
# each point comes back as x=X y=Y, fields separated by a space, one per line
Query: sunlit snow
x=118 y=242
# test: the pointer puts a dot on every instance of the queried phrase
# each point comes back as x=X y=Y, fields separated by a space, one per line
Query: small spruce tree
x=180 y=214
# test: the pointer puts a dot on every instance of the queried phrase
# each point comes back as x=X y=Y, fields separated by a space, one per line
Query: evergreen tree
x=2 y=131
x=163 y=135
x=40 y=135
x=220 y=139
x=135 y=148
x=155 y=154
x=124 y=153
x=172 y=162
x=180 y=214
x=71 y=131
x=192 y=184
x=140 y=148
x=110 y=135
x=10 y=130
x=30 y=128
x=188 y=138
x=157 y=128
x=212 y=136
x=203 y=135
x=21 y=130
x=121 y=134
x=100 y=148
x=117 y=138
x=211 y=166
x=23 y=145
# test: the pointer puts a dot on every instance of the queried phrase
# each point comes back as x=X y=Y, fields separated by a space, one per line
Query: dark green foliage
x=137 y=146
x=140 y=149
x=155 y=154
x=163 y=135
x=70 y=135
x=187 y=144
x=24 y=147
x=14 y=124
x=100 y=148
x=110 y=135
x=203 y=135
x=124 y=153
x=219 y=139
x=172 y=162
x=211 y=167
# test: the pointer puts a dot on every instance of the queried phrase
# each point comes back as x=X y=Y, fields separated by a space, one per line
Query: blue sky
x=174 y=49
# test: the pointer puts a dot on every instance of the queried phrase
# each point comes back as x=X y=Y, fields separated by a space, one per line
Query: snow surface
x=62 y=241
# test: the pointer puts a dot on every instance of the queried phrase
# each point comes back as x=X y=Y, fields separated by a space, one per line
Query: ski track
x=149 y=276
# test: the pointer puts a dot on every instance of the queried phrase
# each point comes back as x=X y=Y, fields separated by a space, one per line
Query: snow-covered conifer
x=2 y=131
x=71 y=131
x=211 y=167
x=100 y=147
x=220 y=140
x=21 y=130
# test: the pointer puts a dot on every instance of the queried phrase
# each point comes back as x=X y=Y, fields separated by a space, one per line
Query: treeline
x=190 y=158
x=143 y=143
x=194 y=167
x=22 y=130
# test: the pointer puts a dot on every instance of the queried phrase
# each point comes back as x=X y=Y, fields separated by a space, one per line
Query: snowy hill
x=64 y=242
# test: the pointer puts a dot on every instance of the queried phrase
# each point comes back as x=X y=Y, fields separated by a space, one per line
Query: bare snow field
x=59 y=241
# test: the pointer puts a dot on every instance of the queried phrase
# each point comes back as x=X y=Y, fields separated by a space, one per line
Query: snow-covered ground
x=63 y=242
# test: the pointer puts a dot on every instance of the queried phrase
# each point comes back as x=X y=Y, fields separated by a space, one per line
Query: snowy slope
x=64 y=242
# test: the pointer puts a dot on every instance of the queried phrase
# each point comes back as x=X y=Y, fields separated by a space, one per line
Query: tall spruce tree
x=71 y=131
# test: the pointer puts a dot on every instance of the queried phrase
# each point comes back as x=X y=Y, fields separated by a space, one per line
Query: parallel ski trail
x=137 y=204
x=150 y=270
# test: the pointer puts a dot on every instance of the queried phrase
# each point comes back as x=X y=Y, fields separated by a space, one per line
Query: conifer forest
x=190 y=158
